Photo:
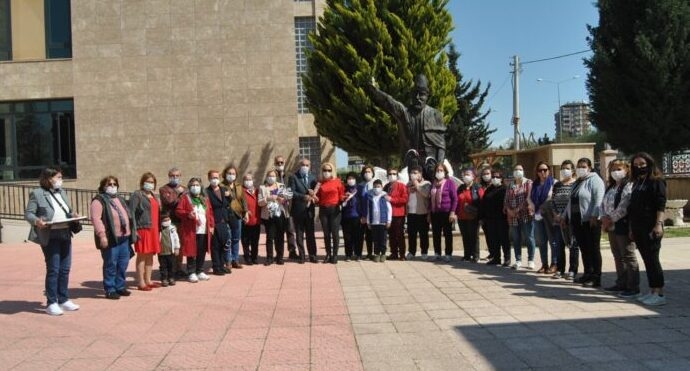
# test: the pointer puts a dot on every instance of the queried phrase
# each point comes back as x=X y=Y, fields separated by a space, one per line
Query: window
x=303 y=26
x=5 y=31
x=310 y=147
x=58 y=29
x=36 y=134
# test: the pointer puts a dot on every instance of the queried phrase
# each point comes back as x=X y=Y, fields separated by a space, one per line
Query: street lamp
x=558 y=90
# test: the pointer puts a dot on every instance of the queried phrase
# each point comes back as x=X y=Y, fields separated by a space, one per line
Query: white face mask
x=304 y=170
x=392 y=178
x=618 y=174
x=326 y=174
x=230 y=178
x=111 y=190
x=440 y=175
x=518 y=174
x=214 y=182
x=57 y=184
x=148 y=186
x=468 y=179
x=271 y=180
x=496 y=181
x=165 y=224
x=195 y=189
x=486 y=177
x=248 y=183
x=280 y=167
x=581 y=172
x=368 y=176
x=174 y=181
x=351 y=182
x=378 y=191
x=566 y=174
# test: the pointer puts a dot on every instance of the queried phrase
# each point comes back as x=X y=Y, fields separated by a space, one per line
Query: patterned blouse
x=516 y=198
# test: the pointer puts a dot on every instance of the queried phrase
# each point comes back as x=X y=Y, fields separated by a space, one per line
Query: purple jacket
x=448 y=198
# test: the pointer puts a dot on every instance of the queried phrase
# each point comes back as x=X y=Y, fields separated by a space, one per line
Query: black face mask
x=640 y=171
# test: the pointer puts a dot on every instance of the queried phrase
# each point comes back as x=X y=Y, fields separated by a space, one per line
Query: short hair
x=328 y=164
x=351 y=174
x=613 y=163
x=145 y=176
x=173 y=169
x=568 y=162
x=585 y=160
x=378 y=182
x=165 y=215
x=248 y=174
x=416 y=168
x=441 y=166
x=365 y=168
x=105 y=180
x=304 y=158
x=194 y=179
x=208 y=175
x=47 y=174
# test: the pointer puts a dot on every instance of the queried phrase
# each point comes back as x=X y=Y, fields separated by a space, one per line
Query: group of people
x=177 y=221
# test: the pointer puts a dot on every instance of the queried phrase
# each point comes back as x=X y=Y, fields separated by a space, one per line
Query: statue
x=421 y=128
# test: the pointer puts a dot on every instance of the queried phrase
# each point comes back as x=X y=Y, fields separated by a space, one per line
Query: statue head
x=420 y=94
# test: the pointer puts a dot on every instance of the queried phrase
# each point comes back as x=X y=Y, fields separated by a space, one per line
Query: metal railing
x=15 y=197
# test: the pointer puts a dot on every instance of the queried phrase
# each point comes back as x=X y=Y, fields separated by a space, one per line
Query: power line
x=560 y=56
x=491 y=98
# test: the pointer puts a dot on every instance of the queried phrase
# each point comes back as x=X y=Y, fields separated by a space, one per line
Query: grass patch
x=677 y=232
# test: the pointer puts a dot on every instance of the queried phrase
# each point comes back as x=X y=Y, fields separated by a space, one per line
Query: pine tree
x=639 y=79
x=389 y=40
x=468 y=132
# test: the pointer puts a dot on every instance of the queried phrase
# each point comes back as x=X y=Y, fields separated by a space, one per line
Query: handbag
x=74 y=226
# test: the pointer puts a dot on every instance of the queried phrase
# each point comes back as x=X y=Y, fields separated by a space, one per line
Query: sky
x=488 y=33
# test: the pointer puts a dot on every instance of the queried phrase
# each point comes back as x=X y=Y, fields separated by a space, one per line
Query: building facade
x=127 y=86
x=572 y=120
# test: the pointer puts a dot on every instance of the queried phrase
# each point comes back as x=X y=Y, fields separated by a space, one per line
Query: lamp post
x=558 y=90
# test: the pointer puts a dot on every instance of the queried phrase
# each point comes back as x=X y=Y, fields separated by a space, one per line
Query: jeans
x=558 y=248
x=330 y=223
x=352 y=234
x=378 y=235
x=542 y=239
x=396 y=235
x=497 y=238
x=221 y=237
x=195 y=264
x=58 y=258
x=250 y=241
x=418 y=225
x=469 y=229
x=589 y=238
x=519 y=233
x=627 y=269
x=115 y=261
x=649 y=249
x=440 y=223
x=232 y=254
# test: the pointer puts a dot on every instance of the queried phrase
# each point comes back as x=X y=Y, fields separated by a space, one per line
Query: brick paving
x=412 y=315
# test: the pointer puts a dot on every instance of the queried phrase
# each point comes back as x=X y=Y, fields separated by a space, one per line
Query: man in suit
x=302 y=184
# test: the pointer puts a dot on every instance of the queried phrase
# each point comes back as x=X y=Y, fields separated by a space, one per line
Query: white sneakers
x=409 y=256
x=517 y=265
x=203 y=277
x=530 y=264
x=54 y=309
x=69 y=306
x=425 y=256
x=654 y=300
x=193 y=278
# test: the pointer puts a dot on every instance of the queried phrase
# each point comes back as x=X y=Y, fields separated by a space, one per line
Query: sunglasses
x=112 y=184
x=543 y=170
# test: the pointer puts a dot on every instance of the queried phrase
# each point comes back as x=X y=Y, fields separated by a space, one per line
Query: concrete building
x=572 y=120
x=127 y=86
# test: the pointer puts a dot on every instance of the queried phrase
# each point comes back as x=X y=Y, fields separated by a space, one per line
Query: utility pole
x=516 y=101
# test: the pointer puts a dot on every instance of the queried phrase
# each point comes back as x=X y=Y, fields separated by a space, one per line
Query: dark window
x=58 y=29
x=34 y=135
x=5 y=31
x=303 y=26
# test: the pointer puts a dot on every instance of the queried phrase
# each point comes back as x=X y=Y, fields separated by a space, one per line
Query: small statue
x=422 y=138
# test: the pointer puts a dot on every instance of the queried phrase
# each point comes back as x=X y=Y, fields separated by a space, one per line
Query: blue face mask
x=304 y=170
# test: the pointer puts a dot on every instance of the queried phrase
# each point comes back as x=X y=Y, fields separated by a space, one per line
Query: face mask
x=326 y=174
x=486 y=177
x=581 y=172
x=518 y=174
x=165 y=224
x=214 y=182
x=304 y=170
x=640 y=171
x=618 y=174
x=440 y=175
x=392 y=178
x=111 y=190
x=280 y=167
x=148 y=186
x=496 y=181
x=195 y=189
x=368 y=176
x=566 y=174
x=351 y=182
x=230 y=178
x=57 y=184
x=271 y=180
x=174 y=181
x=468 y=179
x=378 y=191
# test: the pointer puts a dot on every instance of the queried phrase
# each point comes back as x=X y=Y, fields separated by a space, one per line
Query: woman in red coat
x=197 y=223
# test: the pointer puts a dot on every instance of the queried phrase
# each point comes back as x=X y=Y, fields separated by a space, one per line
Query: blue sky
x=489 y=32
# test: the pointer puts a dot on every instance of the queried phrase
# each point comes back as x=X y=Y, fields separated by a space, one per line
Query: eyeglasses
x=542 y=170
x=112 y=184
x=326 y=170
x=280 y=162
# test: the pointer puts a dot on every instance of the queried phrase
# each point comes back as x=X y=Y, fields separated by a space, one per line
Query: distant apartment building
x=127 y=86
x=572 y=120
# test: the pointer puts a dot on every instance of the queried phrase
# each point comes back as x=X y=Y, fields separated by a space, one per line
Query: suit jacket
x=299 y=193
x=39 y=206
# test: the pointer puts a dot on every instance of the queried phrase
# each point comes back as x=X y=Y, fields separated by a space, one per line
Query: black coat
x=299 y=193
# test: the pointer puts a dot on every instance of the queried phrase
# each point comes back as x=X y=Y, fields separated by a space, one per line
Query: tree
x=392 y=41
x=467 y=131
x=639 y=78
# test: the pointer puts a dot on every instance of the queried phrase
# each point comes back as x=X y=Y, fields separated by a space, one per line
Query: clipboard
x=66 y=221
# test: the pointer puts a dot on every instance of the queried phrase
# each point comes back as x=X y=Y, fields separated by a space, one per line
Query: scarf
x=540 y=191
x=438 y=197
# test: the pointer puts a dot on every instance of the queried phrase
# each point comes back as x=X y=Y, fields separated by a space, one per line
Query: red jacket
x=252 y=199
x=399 y=196
x=188 y=226
x=331 y=192
x=465 y=198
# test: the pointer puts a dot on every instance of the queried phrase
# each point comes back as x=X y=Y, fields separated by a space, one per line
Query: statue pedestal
x=674 y=211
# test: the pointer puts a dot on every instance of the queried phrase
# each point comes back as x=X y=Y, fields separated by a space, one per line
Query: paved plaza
x=412 y=315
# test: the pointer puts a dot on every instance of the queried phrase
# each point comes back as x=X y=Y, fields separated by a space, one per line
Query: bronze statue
x=421 y=128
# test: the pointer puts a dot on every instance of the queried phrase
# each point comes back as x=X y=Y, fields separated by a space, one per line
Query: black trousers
x=470 y=238
x=195 y=264
x=352 y=234
x=221 y=236
x=417 y=225
x=166 y=266
x=497 y=236
x=378 y=235
x=396 y=235
x=589 y=238
x=250 y=241
x=275 y=236
x=330 y=224
x=366 y=237
x=441 y=224
x=649 y=249
x=304 y=224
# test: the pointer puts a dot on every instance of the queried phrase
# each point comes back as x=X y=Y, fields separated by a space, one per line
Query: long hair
x=537 y=180
x=610 y=182
x=223 y=180
x=46 y=175
x=654 y=173
x=145 y=176
x=105 y=180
